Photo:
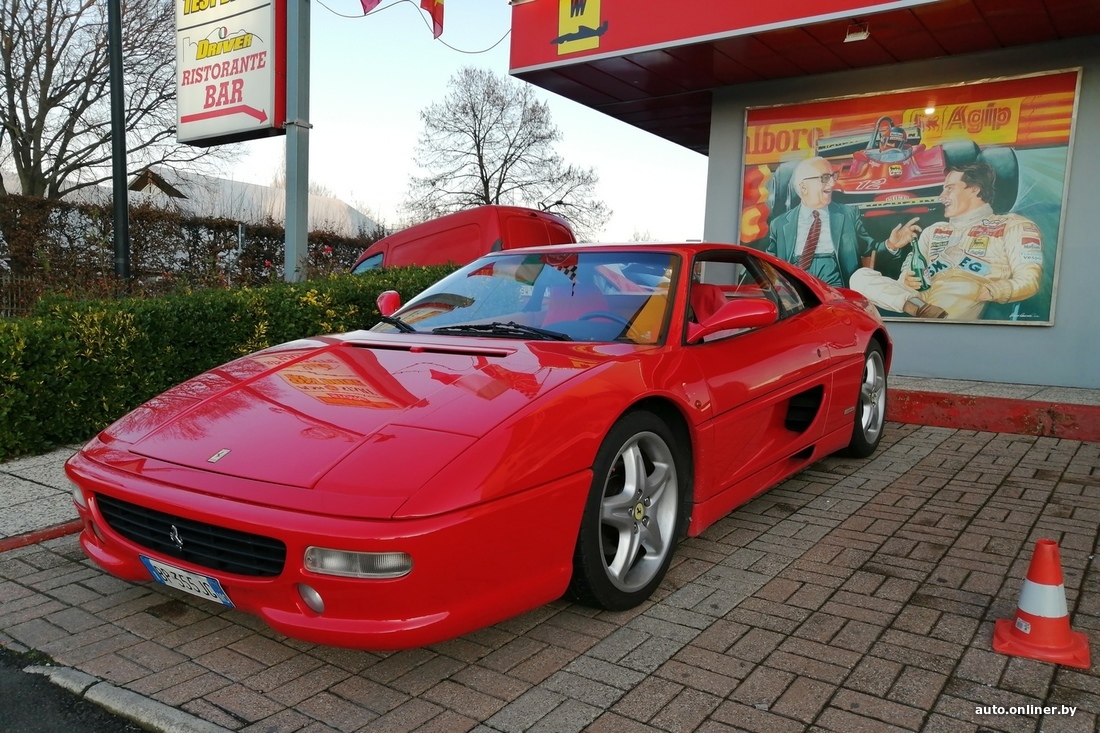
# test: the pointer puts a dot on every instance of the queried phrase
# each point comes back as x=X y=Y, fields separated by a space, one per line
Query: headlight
x=357 y=564
x=78 y=497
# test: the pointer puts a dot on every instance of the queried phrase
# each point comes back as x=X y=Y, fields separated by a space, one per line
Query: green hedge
x=74 y=367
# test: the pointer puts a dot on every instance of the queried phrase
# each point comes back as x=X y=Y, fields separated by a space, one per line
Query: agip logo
x=579 y=26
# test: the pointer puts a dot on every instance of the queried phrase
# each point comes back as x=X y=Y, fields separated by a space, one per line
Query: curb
x=995 y=414
x=41 y=535
x=149 y=714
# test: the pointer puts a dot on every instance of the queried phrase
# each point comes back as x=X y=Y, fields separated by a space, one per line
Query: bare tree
x=55 y=93
x=278 y=180
x=491 y=142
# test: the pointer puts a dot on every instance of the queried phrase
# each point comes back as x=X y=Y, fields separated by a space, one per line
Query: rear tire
x=633 y=515
x=870 y=412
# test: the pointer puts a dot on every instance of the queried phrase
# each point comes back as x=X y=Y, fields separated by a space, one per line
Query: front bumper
x=471 y=568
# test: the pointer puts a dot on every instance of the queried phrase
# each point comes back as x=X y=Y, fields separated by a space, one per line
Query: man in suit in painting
x=825 y=238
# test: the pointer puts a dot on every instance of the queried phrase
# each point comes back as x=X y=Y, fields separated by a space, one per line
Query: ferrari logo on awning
x=579 y=26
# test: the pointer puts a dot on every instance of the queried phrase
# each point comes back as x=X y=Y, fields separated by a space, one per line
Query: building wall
x=1065 y=354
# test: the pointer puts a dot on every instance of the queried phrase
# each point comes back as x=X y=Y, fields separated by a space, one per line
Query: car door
x=768 y=386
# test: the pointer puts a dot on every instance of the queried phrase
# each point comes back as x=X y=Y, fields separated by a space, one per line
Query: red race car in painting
x=541 y=422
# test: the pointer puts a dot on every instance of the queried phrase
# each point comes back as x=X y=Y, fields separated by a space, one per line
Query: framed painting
x=942 y=204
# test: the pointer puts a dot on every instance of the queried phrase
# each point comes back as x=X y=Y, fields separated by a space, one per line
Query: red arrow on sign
x=259 y=114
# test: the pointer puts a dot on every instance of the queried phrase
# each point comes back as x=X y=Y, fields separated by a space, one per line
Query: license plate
x=202 y=586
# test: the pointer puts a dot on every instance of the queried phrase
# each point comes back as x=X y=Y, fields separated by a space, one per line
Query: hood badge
x=174 y=537
x=218 y=456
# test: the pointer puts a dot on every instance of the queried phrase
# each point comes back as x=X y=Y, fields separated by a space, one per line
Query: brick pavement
x=857 y=596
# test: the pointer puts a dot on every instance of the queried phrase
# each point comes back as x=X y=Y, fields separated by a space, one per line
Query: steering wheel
x=606 y=315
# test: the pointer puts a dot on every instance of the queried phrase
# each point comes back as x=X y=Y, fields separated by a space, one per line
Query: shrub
x=62 y=247
x=75 y=366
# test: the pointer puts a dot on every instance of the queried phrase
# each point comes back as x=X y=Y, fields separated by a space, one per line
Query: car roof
x=688 y=248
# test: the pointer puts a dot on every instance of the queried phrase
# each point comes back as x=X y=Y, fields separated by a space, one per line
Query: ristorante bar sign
x=230 y=70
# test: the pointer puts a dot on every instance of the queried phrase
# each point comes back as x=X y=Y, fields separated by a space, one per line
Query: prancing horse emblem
x=174 y=536
x=218 y=456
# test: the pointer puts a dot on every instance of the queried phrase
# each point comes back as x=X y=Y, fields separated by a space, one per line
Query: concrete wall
x=1065 y=354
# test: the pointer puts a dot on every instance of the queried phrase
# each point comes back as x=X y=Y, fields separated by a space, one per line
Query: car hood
x=289 y=415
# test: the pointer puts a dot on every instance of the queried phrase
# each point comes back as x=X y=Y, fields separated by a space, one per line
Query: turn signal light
x=78 y=497
x=357 y=564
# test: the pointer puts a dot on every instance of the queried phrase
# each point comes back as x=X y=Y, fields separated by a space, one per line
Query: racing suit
x=972 y=259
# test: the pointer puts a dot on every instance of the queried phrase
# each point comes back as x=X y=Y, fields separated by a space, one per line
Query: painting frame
x=990 y=245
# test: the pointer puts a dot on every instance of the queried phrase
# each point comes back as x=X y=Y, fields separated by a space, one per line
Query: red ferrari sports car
x=541 y=422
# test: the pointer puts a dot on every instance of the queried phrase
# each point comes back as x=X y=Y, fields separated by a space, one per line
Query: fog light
x=357 y=564
x=78 y=497
x=311 y=598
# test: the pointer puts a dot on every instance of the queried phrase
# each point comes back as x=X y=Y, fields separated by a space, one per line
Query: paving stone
x=698 y=679
x=762 y=687
x=335 y=712
x=530 y=707
x=303 y=686
x=874 y=676
x=647 y=699
x=804 y=699
x=891 y=713
x=686 y=711
x=408 y=716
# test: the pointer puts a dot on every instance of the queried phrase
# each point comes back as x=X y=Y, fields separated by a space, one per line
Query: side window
x=794 y=297
x=733 y=277
x=717 y=279
x=371 y=263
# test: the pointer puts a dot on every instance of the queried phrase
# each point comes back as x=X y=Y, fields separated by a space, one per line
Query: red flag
x=435 y=9
x=369 y=5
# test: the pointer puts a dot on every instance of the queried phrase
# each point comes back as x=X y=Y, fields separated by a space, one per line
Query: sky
x=371 y=76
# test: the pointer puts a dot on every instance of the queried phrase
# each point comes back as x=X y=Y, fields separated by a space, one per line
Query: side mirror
x=388 y=302
x=737 y=314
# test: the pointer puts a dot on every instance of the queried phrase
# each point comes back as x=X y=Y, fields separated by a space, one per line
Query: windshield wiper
x=509 y=329
x=398 y=324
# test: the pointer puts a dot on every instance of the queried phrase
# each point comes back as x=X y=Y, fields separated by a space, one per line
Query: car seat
x=706 y=299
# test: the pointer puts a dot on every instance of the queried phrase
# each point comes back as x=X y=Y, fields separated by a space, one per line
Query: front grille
x=204 y=544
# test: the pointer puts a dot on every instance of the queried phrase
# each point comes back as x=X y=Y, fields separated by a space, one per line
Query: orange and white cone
x=1040 y=629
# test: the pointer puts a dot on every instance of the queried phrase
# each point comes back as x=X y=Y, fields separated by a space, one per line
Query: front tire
x=632 y=518
x=870 y=405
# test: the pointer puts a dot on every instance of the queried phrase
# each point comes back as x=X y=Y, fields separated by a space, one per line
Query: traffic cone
x=1040 y=629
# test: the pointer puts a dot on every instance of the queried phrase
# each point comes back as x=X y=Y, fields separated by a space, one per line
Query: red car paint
x=473 y=455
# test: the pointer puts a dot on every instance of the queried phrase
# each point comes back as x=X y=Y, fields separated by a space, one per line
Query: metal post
x=240 y=250
x=297 y=140
x=118 y=140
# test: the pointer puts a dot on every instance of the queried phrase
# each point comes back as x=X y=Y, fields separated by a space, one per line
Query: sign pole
x=118 y=140
x=297 y=141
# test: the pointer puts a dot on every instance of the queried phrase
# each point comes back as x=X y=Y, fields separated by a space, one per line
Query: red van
x=462 y=237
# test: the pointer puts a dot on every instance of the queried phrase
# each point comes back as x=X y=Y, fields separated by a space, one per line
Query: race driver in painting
x=973 y=258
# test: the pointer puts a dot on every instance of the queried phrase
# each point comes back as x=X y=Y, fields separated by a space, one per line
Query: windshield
x=596 y=296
